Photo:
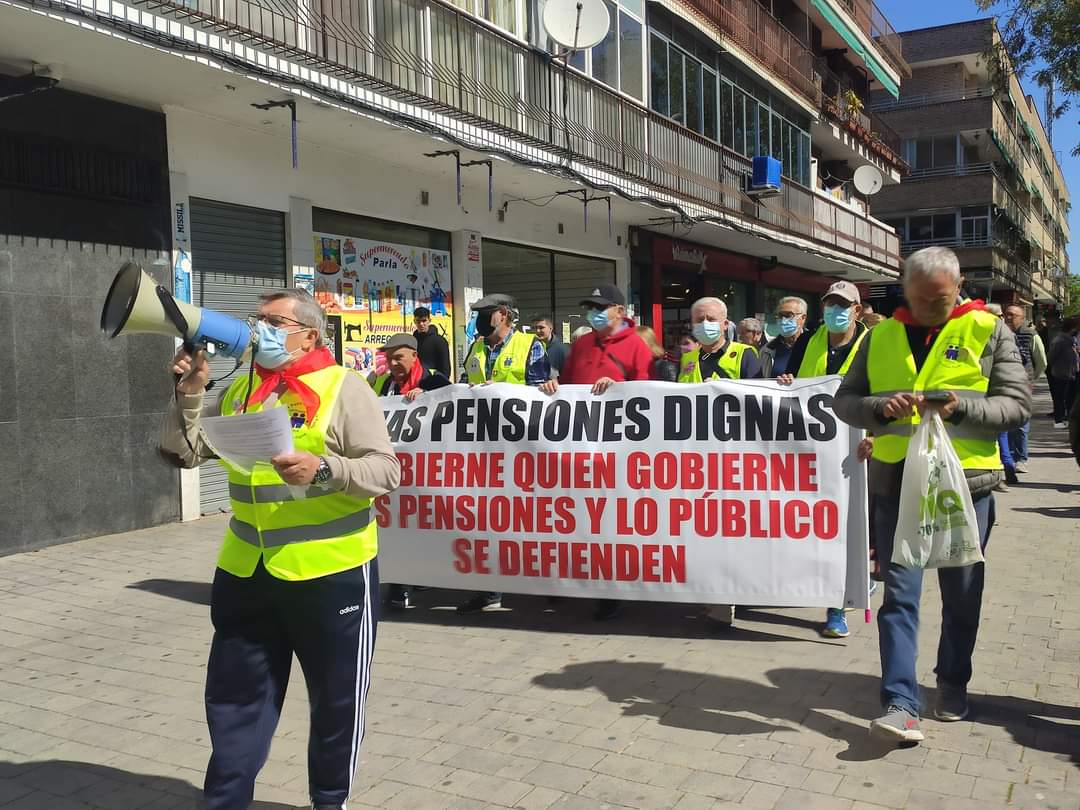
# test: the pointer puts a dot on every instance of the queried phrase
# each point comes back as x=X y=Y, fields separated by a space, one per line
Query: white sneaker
x=1060 y=425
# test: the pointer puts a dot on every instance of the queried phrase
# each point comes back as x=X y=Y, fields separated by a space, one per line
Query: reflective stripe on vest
x=815 y=362
x=730 y=362
x=952 y=364
x=299 y=533
x=510 y=365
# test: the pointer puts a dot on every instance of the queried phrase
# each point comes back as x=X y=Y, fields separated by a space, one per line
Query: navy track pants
x=259 y=623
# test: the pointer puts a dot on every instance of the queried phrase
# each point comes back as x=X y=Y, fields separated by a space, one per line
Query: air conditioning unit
x=765 y=179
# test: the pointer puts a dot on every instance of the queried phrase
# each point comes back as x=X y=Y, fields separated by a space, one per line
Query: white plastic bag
x=937 y=527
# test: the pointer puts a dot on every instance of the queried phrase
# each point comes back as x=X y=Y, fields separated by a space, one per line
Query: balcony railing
x=479 y=85
x=911 y=245
x=875 y=25
x=763 y=36
x=952 y=171
x=925 y=99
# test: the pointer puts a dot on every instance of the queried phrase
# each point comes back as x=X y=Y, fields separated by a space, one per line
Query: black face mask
x=484 y=327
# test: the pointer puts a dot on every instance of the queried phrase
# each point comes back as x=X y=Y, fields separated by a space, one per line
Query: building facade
x=984 y=179
x=390 y=154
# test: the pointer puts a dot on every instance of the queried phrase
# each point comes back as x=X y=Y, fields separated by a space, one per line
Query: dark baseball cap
x=399 y=341
x=494 y=300
x=604 y=295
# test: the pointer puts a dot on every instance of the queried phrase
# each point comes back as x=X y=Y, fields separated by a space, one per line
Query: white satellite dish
x=868 y=180
x=576 y=24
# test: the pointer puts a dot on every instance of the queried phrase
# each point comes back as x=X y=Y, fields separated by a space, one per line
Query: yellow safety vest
x=510 y=365
x=382 y=382
x=730 y=363
x=815 y=361
x=313 y=536
x=953 y=364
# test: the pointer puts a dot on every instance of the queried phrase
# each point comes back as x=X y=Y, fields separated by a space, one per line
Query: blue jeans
x=1018 y=442
x=898 y=619
x=1004 y=451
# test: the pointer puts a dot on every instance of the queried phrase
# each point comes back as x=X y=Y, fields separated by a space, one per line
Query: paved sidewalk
x=103 y=646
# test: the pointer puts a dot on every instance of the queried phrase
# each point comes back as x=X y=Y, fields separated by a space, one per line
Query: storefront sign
x=376 y=288
x=726 y=492
x=688 y=255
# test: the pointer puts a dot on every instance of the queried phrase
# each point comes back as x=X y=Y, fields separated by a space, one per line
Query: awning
x=1005 y=152
x=851 y=38
x=1030 y=132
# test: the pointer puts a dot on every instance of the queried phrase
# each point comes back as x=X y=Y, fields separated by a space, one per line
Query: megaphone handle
x=168 y=303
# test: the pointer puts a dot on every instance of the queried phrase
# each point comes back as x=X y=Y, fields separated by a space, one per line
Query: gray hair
x=304 y=306
x=993 y=309
x=710 y=301
x=750 y=325
x=931 y=261
x=801 y=302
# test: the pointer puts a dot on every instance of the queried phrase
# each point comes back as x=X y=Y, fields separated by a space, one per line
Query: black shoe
x=951 y=704
x=1010 y=476
x=480 y=603
x=607 y=609
x=328 y=807
x=399 y=598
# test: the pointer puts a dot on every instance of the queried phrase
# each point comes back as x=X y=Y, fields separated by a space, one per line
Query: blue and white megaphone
x=136 y=304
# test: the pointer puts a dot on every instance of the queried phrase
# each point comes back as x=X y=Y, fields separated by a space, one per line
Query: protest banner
x=736 y=492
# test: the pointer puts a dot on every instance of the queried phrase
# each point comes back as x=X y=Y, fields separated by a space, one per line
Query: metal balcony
x=487 y=88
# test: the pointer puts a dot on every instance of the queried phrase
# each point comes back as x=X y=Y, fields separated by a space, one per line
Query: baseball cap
x=495 y=300
x=399 y=341
x=604 y=295
x=844 y=289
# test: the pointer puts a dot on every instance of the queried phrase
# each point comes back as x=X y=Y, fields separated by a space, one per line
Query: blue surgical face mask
x=270 y=352
x=788 y=327
x=597 y=318
x=707 y=332
x=837 y=318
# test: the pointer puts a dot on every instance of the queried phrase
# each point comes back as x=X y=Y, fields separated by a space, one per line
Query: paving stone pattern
x=103 y=647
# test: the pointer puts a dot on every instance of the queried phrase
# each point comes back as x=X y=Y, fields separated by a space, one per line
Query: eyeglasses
x=788 y=314
x=280 y=321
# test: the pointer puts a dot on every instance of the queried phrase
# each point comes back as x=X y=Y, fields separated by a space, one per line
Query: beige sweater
x=362 y=462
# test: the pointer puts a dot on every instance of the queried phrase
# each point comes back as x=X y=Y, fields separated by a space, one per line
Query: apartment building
x=985 y=179
x=389 y=154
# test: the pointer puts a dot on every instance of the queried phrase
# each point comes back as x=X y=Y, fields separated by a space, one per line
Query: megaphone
x=136 y=304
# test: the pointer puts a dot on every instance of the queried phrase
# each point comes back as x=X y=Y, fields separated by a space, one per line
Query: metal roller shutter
x=238 y=253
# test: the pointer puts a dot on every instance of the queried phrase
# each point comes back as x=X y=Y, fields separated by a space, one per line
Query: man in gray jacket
x=941 y=354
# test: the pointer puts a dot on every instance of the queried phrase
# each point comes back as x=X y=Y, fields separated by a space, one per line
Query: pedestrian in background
x=950 y=356
x=663 y=369
x=503 y=355
x=432 y=347
x=557 y=351
x=612 y=352
x=831 y=350
x=1033 y=356
x=1063 y=361
x=750 y=332
x=791 y=315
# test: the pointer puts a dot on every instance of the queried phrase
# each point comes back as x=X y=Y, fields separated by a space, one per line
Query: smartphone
x=936 y=396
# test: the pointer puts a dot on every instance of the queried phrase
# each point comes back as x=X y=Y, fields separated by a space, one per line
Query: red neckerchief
x=290 y=375
x=413 y=379
x=903 y=314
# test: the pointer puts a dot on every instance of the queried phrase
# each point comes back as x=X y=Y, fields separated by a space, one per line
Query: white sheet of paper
x=246 y=438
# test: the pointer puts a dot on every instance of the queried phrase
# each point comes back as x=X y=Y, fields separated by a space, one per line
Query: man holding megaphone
x=297 y=573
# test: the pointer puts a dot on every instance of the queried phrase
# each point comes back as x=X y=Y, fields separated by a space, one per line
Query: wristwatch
x=322 y=475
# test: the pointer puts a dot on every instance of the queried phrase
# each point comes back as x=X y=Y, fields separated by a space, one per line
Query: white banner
x=740 y=492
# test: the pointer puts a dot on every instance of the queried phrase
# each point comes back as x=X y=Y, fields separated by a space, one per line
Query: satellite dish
x=576 y=24
x=867 y=180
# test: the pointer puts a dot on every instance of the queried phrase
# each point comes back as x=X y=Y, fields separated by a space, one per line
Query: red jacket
x=623 y=356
